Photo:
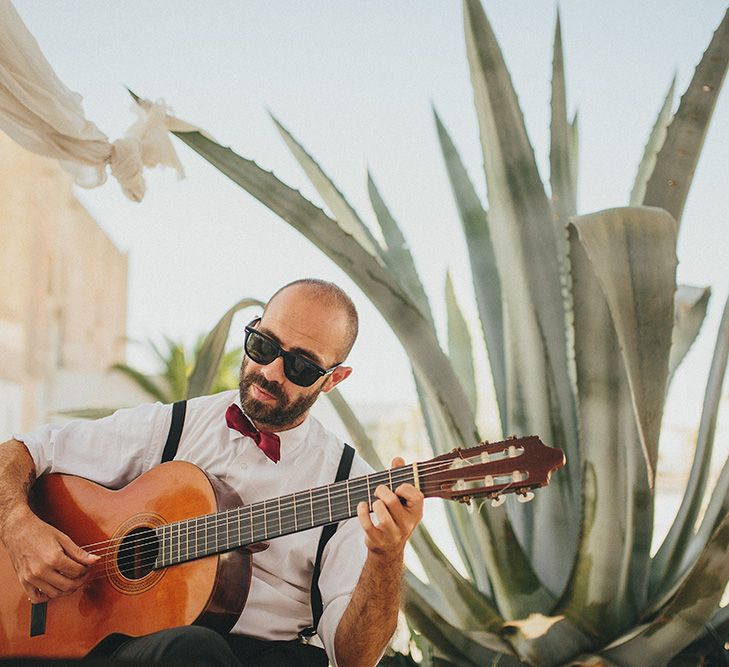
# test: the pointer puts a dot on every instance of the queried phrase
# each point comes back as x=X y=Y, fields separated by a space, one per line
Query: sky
x=356 y=82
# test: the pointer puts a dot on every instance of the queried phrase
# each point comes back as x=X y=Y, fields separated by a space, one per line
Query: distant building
x=63 y=294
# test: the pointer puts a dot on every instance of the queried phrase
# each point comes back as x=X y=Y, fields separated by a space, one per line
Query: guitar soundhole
x=137 y=553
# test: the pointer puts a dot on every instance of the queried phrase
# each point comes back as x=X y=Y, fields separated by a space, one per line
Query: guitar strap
x=173 y=437
x=345 y=465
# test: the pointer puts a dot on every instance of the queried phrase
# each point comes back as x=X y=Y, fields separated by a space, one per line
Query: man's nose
x=274 y=371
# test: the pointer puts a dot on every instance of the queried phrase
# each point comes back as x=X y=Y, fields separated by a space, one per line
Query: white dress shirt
x=115 y=450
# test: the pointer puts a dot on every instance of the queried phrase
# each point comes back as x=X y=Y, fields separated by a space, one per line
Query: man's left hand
x=397 y=515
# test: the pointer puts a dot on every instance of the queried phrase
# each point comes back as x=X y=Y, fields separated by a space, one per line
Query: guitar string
x=261 y=508
x=153 y=541
x=151 y=560
x=339 y=491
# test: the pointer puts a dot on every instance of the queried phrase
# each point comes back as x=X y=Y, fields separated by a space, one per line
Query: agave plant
x=582 y=346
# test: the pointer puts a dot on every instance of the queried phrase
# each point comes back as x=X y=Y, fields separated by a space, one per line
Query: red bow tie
x=268 y=443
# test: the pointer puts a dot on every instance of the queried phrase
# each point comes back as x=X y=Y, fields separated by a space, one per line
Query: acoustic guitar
x=176 y=544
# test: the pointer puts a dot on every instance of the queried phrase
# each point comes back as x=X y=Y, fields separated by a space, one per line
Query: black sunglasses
x=297 y=368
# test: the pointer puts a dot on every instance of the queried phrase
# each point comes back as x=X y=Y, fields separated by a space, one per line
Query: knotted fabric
x=41 y=114
x=268 y=443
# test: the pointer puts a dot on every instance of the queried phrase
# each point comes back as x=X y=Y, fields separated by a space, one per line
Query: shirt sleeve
x=342 y=562
x=111 y=451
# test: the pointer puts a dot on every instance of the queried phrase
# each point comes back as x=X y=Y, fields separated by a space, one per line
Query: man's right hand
x=48 y=563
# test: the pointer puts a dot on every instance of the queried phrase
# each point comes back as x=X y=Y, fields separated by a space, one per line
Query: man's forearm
x=17 y=474
x=370 y=619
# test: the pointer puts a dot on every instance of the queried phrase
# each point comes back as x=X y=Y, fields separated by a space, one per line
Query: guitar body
x=209 y=591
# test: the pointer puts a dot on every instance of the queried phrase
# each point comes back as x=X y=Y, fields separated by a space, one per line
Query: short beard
x=284 y=414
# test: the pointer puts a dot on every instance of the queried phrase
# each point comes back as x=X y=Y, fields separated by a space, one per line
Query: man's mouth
x=262 y=395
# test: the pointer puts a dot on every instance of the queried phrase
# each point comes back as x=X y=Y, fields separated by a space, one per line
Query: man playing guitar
x=263 y=442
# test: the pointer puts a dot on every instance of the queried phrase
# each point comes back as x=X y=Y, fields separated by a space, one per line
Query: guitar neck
x=259 y=522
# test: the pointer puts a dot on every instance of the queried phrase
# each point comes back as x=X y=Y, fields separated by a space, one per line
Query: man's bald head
x=329 y=295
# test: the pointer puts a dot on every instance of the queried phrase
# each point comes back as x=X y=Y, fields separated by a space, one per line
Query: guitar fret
x=329 y=502
x=161 y=548
x=280 y=525
x=369 y=491
x=296 y=521
x=240 y=534
x=311 y=506
x=349 y=500
x=265 y=523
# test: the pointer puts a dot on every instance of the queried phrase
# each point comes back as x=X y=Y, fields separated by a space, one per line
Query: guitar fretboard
x=249 y=524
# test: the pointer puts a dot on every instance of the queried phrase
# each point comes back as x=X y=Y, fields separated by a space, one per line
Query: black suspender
x=173 y=437
x=345 y=465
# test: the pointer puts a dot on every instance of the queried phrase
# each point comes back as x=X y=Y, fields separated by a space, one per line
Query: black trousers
x=194 y=646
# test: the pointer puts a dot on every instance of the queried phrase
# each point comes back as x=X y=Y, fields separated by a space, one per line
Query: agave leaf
x=598 y=593
x=690 y=309
x=545 y=640
x=486 y=282
x=709 y=647
x=441 y=440
x=487 y=544
x=212 y=351
x=683 y=618
x=574 y=152
x=608 y=584
x=537 y=365
x=362 y=442
x=396 y=253
x=144 y=381
x=459 y=344
x=464 y=648
x=526 y=255
x=671 y=551
x=461 y=602
x=655 y=142
x=404 y=317
x=563 y=181
x=671 y=179
x=717 y=509
x=632 y=254
x=560 y=162
x=344 y=214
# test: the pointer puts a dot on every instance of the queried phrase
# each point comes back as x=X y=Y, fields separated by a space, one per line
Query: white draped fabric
x=42 y=115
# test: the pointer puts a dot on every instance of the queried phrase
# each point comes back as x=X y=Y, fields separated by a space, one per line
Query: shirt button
x=244 y=466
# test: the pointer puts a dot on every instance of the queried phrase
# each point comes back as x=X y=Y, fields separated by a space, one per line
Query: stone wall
x=63 y=296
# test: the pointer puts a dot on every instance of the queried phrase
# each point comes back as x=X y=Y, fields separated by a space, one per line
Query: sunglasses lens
x=300 y=371
x=260 y=349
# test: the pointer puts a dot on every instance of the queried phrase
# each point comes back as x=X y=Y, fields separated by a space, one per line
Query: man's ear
x=338 y=374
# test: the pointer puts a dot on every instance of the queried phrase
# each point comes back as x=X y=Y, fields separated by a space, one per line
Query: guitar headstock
x=515 y=465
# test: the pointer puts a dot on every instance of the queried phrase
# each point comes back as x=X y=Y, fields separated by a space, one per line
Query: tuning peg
x=525 y=496
x=498 y=501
